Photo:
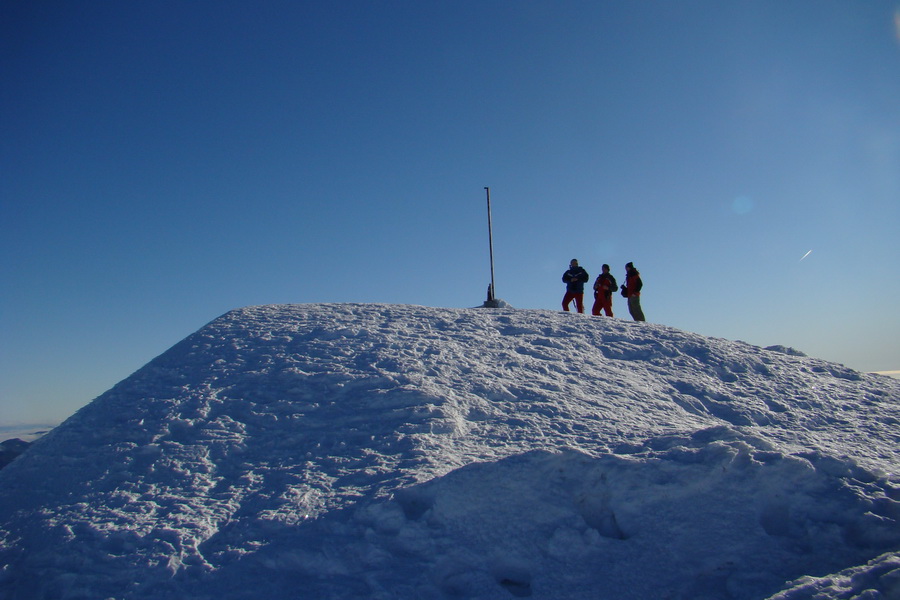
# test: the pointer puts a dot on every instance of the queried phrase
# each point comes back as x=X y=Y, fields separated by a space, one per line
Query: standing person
x=603 y=291
x=632 y=290
x=574 y=278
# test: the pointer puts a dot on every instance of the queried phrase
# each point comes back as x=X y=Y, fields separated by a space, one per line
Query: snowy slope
x=382 y=451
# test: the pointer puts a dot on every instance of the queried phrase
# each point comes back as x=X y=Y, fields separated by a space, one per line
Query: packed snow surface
x=380 y=451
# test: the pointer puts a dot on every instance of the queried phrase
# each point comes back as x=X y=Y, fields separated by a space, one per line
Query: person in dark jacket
x=631 y=289
x=574 y=278
x=603 y=292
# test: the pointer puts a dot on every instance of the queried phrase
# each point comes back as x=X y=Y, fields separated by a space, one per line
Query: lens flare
x=742 y=205
x=897 y=23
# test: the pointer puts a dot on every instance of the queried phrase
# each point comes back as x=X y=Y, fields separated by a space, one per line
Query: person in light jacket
x=631 y=289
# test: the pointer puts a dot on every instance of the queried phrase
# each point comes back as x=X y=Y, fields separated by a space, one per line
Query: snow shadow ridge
x=715 y=514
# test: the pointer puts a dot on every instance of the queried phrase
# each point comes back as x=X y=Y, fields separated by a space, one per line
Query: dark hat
x=629 y=266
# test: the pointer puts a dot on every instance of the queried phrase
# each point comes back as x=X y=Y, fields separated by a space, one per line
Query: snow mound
x=496 y=303
x=379 y=451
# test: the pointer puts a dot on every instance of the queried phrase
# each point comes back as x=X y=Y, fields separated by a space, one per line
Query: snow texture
x=379 y=451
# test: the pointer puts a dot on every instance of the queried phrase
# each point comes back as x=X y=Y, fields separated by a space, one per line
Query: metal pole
x=491 y=242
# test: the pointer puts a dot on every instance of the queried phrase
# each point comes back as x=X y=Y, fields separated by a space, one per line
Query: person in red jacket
x=603 y=291
x=631 y=289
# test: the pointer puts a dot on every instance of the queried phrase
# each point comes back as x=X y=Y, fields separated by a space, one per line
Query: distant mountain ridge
x=385 y=451
x=10 y=449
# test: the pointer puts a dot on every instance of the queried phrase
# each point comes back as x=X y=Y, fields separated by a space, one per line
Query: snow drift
x=380 y=451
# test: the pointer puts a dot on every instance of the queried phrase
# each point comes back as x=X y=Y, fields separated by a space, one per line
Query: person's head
x=629 y=267
x=573 y=262
x=605 y=268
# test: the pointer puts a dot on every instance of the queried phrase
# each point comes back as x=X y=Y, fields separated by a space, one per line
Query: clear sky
x=165 y=162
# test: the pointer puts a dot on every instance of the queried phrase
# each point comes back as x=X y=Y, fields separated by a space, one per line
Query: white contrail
x=805 y=255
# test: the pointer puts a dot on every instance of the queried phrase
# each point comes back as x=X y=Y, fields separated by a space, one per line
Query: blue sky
x=165 y=162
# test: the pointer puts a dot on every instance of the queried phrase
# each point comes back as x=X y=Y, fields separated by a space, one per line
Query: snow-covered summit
x=382 y=451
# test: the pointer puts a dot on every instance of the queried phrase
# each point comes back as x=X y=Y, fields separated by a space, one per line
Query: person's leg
x=634 y=307
x=579 y=303
x=607 y=307
x=567 y=299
